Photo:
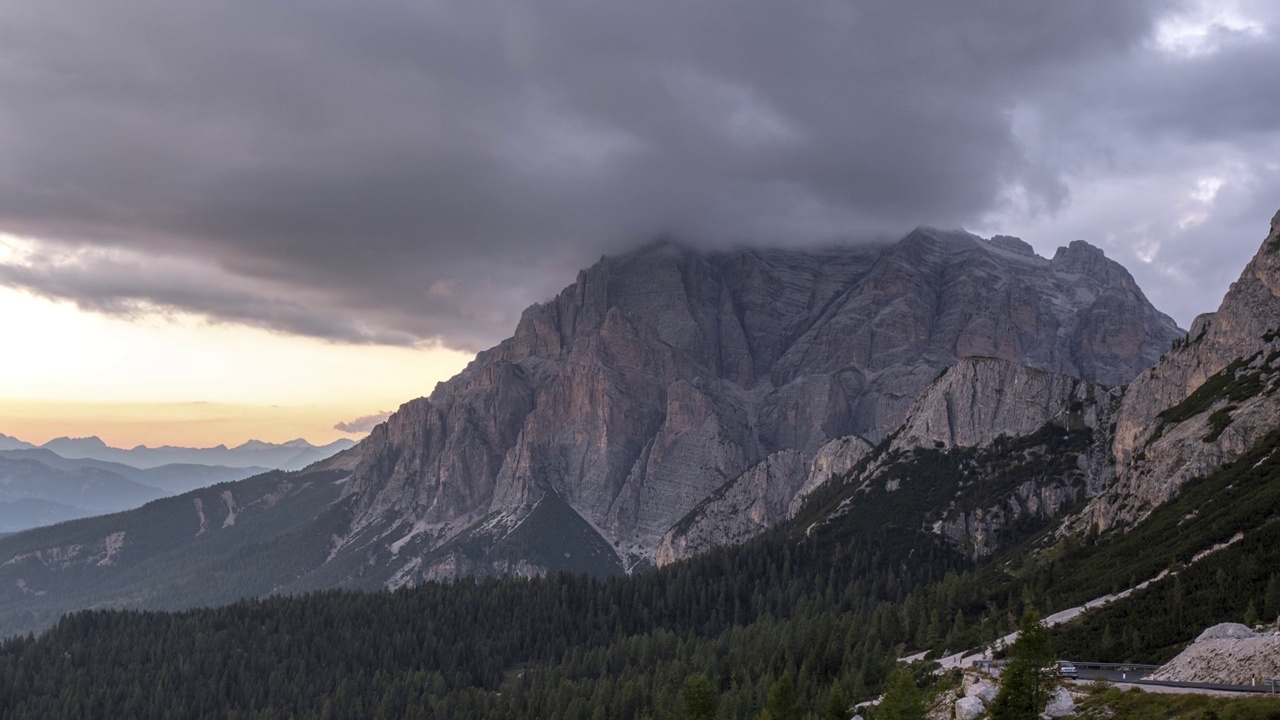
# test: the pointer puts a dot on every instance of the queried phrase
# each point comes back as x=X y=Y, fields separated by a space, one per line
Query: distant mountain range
x=33 y=493
x=291 y=455
x=70 y=478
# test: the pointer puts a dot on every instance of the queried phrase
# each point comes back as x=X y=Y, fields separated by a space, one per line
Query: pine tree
x=1272 y=597
x=1108 y=641
x=782 y=703
x=902 y=700
x=1251 y=615
x=700 y=700
x=1028 y=677
x=837 y=705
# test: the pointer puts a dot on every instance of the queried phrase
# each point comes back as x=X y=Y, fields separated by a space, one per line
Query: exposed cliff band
x=675 y=400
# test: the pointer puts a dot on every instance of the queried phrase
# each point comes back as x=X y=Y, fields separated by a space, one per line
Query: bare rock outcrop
x=980 y=399
x=667 y=387
x=1229 y=653
x=1204 y=403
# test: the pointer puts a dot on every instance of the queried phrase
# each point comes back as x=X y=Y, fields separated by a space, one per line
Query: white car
x=1067 y=669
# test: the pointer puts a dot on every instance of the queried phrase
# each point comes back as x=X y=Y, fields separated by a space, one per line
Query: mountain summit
x=666 y=402
x=665 y=380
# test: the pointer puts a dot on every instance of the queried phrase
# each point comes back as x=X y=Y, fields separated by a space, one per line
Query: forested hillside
x=824 y=609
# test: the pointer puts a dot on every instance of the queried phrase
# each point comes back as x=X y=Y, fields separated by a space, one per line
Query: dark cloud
x=398 y=172
x=1172 y=156
x=362 y=425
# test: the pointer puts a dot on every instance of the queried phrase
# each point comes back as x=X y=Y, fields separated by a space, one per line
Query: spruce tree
x=782 y=704
x=700 y=700
x=902 y=699
x=1029 y=675
x=1271 y=599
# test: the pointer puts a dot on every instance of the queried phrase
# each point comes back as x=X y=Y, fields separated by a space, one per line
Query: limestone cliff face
x=1249 y=312
x=1206 y=402
x=981 y=399
x=667 y=380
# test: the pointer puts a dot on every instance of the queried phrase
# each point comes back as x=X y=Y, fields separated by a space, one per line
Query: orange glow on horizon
x=182 y=424
x=180 y=380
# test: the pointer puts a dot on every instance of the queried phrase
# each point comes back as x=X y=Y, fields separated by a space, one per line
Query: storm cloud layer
x=417 y=172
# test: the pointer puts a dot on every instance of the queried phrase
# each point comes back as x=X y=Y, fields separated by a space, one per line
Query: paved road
x=1139 y=677
x=1112 y=674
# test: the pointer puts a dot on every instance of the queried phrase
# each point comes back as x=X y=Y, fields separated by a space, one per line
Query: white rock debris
x=1229 y=653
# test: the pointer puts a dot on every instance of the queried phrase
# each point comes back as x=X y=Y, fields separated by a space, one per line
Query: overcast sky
x=387 y=172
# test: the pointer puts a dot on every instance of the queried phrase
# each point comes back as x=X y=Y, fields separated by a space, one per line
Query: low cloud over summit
x=406 y=173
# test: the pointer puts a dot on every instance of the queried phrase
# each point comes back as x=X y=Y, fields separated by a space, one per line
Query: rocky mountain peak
x=1081 y=258
x=669 y=380
x=1013 y=244
x=1164 y=432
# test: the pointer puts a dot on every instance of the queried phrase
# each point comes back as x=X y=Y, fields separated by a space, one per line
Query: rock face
x=1228 y=653
x=986 y=692
x=1061 y=704
x=1206 y=402
x=1026 y=445
x=675 y=400
x=970 y=708
x=981 y=399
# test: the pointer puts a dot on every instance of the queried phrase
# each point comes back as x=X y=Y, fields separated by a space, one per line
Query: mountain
x=173 y=478
x=13 y=443
x=64 y=494
x=1207 y=401
x=124 y=479
x=212 y=545
x=666 y=377
x=26 y=513
x=51 y=459
x=254 y=454
x=182 y=477
x=670 y=401
x=979 y=503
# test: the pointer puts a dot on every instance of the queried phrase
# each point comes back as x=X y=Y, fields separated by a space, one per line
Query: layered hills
x=253 y=454
x=70 y=478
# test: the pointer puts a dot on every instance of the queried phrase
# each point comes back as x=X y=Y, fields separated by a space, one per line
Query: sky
x=284 y=218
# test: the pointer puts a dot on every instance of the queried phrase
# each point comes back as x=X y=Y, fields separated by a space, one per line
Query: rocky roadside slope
x=1230 y=654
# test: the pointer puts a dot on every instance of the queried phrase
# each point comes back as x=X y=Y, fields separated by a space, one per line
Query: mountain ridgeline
x=675 y=400
x=667 y=402
x=70 y=478
x=835 y=460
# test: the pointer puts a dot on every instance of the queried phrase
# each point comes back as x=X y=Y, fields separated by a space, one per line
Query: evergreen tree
x=700 y=700
x=837 y=705
x=1272 y=601
x=902 y=699
x=1030 y=673
x=782 y=703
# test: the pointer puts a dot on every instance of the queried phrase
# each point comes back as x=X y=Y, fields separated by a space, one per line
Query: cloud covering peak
x=412 y=173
